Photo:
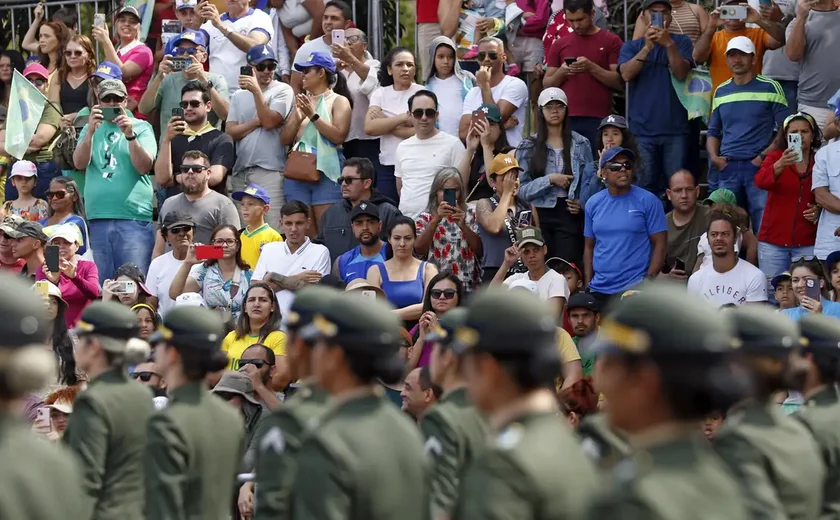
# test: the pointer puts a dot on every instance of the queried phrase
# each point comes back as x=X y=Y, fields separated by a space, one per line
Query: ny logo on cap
x=508 y=160
x=527 y=233
x=363 y=206
x=485 y=109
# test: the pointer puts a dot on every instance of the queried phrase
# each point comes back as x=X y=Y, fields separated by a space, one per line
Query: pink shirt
x=141 y=55
x=78 y=292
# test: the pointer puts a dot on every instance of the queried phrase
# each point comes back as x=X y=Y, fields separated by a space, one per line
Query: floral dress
x=450 y=250
x=34 y=213
x=216 y=290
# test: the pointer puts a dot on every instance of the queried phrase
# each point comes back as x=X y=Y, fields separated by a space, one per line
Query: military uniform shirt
x=283 y=430
x=604 y=445
x=821 y=415
x=455 y=432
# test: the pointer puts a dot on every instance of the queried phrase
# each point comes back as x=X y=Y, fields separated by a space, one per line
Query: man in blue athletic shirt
x=371 y=249
x=746 y=111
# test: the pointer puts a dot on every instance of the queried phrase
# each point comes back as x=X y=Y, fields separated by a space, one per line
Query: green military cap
x=357 y=323
x=308 y=301
x=506 y=322
x=663 y=319
x=24 y=314
x=821 y=333
x=191 y=327
x=108 y=319
x=444 y=332
x=762 y=330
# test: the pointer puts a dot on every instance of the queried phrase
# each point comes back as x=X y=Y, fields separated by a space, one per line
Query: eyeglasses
x=262 y=67
x=179 y=230
x=618 y=166
x=192 y=168
x=554 y=105
x=224 y=242
x=110 y=98
x=77 y=54
x=56 y=194
x=493 y=55
x=353 y=39
x=446 y=294
x=38 y=82
x=420 y=112
x=142 y=376
x=259 y=363
x=347 y=180
x=193 y=103
x=180 y=51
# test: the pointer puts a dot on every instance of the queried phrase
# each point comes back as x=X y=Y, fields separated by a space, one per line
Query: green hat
x=762 y=330
x=529 y=235
x=24 y=314
x=821 y=333
x=506 y=322
x=447 y=325
x=109 y=319
x=191 y=327
x=663 y=319
x=721 y=196
x=492 y=112
x=308 y=301
x=359 y=324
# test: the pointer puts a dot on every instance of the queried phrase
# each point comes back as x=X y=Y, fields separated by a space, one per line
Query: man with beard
x=773 y=457
x=260 y=364
x=729 y=280
x=584 y=316
x=371 y=249
x=686 y=224
x=207 y=208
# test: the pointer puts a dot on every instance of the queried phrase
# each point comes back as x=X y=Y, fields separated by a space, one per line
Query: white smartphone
x=369 y=294
x=338 y=36
x=43 y=416
x=99 y=20
x=124 y=287
x=733 y=12
x=795 y=142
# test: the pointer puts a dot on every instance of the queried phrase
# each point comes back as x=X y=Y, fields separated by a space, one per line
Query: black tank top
x=73 y=100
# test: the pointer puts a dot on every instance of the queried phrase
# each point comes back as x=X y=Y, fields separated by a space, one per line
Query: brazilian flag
x=26 y=104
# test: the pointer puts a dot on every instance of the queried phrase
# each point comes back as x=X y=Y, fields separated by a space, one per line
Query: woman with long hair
x=388 y=116
x=788 y=227
x=52 y=37
x=222 y=283
x=612 y=132
x=320 y=121
x=832 y=275
x=448 y=235
x=403 y=278
x=66 y=207
x=444 y=292
x=70 y=88
x=147 y=319
x=552 y=165
x=60 y=340
x=807 y=272
x=486 y=138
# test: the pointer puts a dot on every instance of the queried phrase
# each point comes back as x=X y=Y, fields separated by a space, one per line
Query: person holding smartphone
x=807 y=277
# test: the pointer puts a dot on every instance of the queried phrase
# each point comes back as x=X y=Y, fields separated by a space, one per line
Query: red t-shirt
x=427 y=12
x=13 y=268
x=588 y=97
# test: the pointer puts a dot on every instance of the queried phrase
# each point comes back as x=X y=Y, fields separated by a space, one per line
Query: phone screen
x=795 y=142
x=124 y=287
x=569 y=61
x=525 y=219
x=99 y=20
x=51 y=258
x=449 y=196
x=657 y=19
x=679 y=265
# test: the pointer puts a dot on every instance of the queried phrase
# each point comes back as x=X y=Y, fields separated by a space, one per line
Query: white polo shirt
x=551 y=285
x=225 y=57
x=275 y=257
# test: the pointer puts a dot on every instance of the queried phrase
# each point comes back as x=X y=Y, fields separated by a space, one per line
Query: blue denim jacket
x=590 y=184
x=540 y=192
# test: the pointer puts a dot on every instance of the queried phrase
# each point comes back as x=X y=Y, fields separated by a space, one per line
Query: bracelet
x=133 y=137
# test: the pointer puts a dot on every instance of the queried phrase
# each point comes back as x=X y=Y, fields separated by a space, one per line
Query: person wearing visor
x=186 y=350
x=107 y=431
x=660 y=355
x=356 y=344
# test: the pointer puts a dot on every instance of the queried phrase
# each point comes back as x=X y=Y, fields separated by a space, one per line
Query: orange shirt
x=718 y=69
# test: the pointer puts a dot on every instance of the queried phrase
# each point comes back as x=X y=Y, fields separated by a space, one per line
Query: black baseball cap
x=176 y=218
x=649 y=3
x=365 y=207
x=582 y=300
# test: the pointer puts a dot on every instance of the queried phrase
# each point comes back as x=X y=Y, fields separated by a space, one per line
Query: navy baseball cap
x=197 y=37
x=252 y=190
x=830 y=260
x=260 y=53
x=781 y=277
x=615 y=151
x=317 y=59
x=108 y=70
x=613 y=120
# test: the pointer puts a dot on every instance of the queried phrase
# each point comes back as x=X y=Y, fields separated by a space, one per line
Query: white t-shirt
x=162 y=271
x=225 y=57
x=275 y=257
x=361 y=91
x=316 y=45
x=703 y=248
x=392 y=103
x=450 y=102
x=744 y=283
x=551 y=285
x=510 y=89
x=418 y=161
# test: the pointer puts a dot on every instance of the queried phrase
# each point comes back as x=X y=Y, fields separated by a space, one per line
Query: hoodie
x=336 y=232
x=450 y=106
x=467 y=78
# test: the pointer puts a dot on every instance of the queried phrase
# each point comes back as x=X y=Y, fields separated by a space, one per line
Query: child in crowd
x=783 y=291
x=254 y=203
x=712 y=424
x=832 y=272
x=24 y=176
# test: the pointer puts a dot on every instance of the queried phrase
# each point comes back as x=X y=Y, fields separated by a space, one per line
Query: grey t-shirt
x=261 y=147
x=819 y=77
x=776 y=64
x=207 y=212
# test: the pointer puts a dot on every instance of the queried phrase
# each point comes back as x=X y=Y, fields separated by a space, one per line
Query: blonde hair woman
x=70 y=86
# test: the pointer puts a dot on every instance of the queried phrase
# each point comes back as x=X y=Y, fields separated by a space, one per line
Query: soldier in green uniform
x=774 y=458
x=285 y=426
x=660 y=355
x=38 y=480
x=107 y=429
x=532 y=467
x=364 y=458
x=195 y=444
x=821 y=412
x=454 y=429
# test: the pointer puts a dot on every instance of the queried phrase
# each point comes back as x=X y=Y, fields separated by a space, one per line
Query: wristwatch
x=133 y=137
x=315 y=118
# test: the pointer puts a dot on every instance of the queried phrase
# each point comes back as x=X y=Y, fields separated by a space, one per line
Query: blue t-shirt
x=655 y=109
x=744 y=117
x=621 y=227
x=353 y=264
x=829 y=308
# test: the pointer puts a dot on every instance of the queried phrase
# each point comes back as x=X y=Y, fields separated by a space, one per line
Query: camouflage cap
x=308 y=301
x=358 y=324
x=109 y=319
x=821 y=333
x=663 y=319
x=24 y=314
x=762 y=330
x=191 y=327
x=444 y=333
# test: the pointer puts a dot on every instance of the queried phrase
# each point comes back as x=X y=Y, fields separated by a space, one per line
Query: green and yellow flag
x=26 y=104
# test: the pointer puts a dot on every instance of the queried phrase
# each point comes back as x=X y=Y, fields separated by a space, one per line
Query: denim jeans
x=386 y=183
x=118 y=242
x=662 y=156
x=773 y=259
x=739 y=176
x=47 y=171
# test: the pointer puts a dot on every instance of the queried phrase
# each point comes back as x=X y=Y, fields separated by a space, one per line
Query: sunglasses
x=259 y=363
x=618 y=166
x=112 y=99
x=420 y=112
x=142 y=376
x=262 y=67
x=347 y=180
x=56 y=194
x=38 y=82
x=493 y=55
x=193 y=103
x=77 y=54
x=446 y=294
x=179 y=230
x=191 y=51
x=192 y=168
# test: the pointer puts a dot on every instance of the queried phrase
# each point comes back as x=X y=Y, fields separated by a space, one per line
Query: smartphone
x=525 y=219
x=43 y=416
x=765 y=3
x=450 y=196
x=246 y=70
x=570 y=61
x=338 y=36
x=124 y=287
x=170 y=26
x=179 y=63
x=369 y=294
x=209 y=252
x=99 y=20
x=51 y=258
x=178 y=112
x=679 y=265
x=795 y=142
x=657 y=19
x=110 y=113
x=733 y=12
x=812 y=289
x=42 y=287
x=478 y=115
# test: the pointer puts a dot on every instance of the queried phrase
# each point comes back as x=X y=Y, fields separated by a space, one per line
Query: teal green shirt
x=113 y=188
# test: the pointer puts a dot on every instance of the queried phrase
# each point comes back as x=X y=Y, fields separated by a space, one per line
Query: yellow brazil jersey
x=252 y=242
x=276 y=341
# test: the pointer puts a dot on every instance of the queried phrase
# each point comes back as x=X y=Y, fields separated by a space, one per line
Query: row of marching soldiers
x=493 y=447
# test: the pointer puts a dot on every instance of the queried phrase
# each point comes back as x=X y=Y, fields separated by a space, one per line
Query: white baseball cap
x=552 y=94
x=24 y=169
x=741 y=43
x=528 y=285
x=69 y=232
x=190 y=299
